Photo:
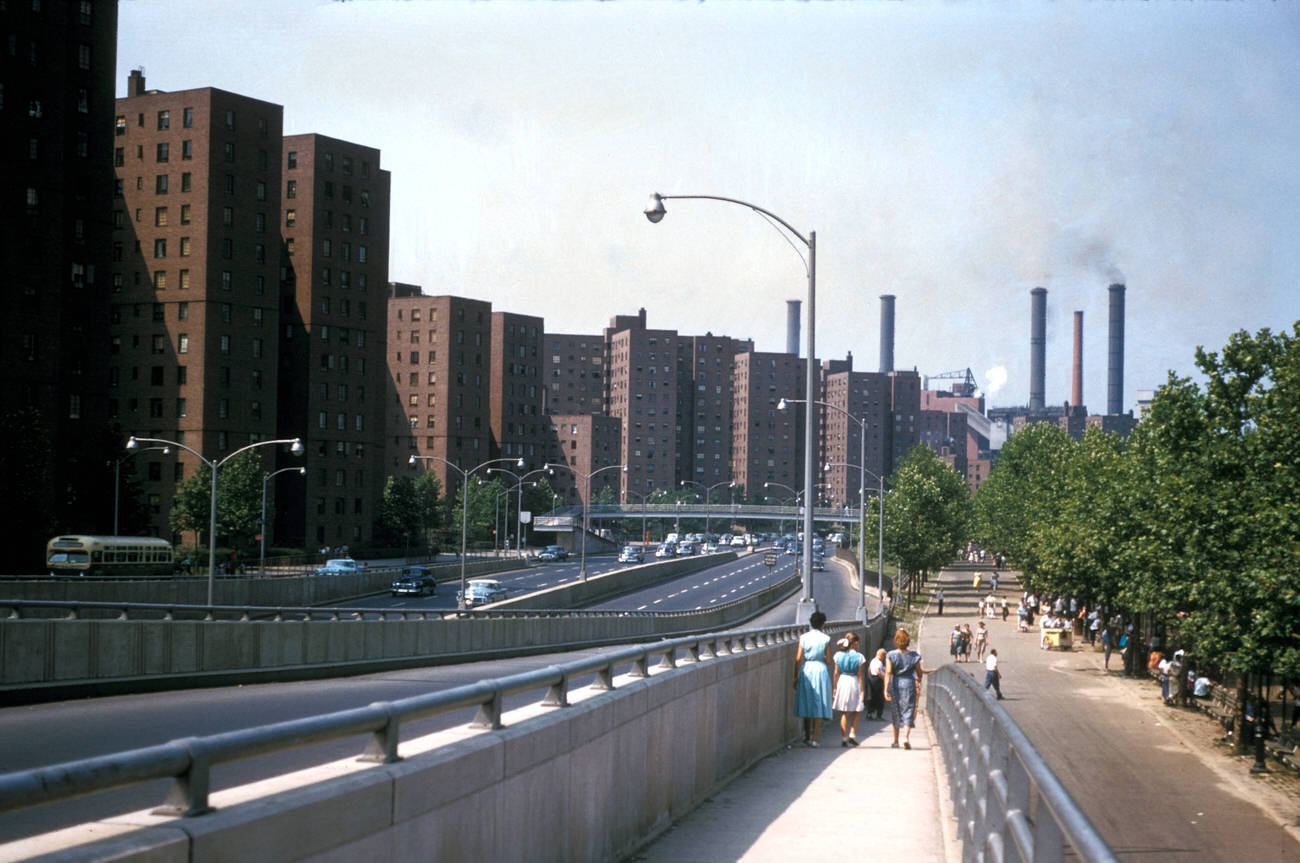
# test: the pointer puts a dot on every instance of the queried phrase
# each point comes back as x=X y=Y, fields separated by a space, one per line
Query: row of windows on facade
x=431 y=421
x=157 y=376
x=157 y=405
x=225 y=311
x=330 y=361
x=162 y=185
x=327 y=221
x=164 y=121
x=158 y=344
x=159 y=281
x=85 y=52
x=433 y=316
x=184 y=248
x=414 y=337
x=340 y=421
x=327 y=192
x=163 y=154
x=327 y=160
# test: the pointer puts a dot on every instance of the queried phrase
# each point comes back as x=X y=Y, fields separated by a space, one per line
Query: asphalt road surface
x=1150 y=790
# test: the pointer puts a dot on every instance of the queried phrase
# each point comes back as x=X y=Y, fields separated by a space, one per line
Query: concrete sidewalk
x=803 y=804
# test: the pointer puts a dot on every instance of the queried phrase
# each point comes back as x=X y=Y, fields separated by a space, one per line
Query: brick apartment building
x=865 y=395
x=706 y=368
x=57 y=106
x=766 y=444
x=586 y=443
x=195 y=277
x=575 y=374
x=332 y=338
x=642 y=380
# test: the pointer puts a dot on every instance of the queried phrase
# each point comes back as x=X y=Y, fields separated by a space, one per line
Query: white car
x=739 y=540
x=340 y=566
x=481 y=591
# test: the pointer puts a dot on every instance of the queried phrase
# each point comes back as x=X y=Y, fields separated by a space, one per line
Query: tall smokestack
x=1115 y=366
x=1076 y=381
x=886 y=333
x=792 y=327
x=1037 y=346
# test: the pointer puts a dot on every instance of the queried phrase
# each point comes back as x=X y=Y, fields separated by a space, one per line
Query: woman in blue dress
x=902 y=682
x=812 y=679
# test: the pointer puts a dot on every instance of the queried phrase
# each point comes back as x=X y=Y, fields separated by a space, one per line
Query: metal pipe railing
x=1008 y=803
x=188 y=762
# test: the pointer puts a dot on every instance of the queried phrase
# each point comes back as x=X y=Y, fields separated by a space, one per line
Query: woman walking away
x=902 y=683
x=981 y=640
x=850 y=668
x=812 y=679
x=876 y=681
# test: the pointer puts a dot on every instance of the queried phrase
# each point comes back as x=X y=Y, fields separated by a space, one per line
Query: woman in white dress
x=850 y=665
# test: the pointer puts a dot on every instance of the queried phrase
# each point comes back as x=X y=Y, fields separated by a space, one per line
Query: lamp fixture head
x=655 y=212
x=783 y=405
x=132 y=443
x=411 y=460
x=296 y=448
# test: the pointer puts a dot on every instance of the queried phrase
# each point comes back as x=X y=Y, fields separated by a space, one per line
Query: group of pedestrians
x=846 y=682
x=963 y=639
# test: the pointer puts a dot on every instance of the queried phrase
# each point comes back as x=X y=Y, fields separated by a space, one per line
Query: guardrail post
x=604 y=678
x=382 y=746
x=669 y=659
x=188 y=795
x=640 y=666
x=489 y=712
x=557 y=694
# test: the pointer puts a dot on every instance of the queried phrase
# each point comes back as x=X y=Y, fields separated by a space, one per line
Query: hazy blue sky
x=953 y=155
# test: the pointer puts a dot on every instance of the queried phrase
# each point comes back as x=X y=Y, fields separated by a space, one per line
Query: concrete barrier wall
x=601 y=588
x=42 y=659
x=284 y=591
x=588 y=782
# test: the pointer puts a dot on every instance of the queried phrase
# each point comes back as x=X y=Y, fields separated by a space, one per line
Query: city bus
x=109 y=555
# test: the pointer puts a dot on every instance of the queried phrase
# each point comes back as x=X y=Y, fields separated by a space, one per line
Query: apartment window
x=230 y=120
x=361 y=254
x=292 y=158
x=185 y=181
x=257 y=348
x=326 y=247
x=160 y=280
x=290 y=218
x=226 y=312
x=223 y=408
x=328 y=190
x=261 y=190
x=347 y=194
x=259 y=223
x=183 y=313
x=291 y=189
x=83 y=56
x=289 y=247
x=230 y=184
x=187 y=118
x=83 y=144
x=227 y=280
x=262 y=156
x=160 y=184
x=363 y=225
x=119 y=124
x=119 y=157
x=257 y=317
x=227 y=248
x=183 y=343
x=185 y=212
x=184 y=281
x=224 y=344
x=164 y=120
x=185 y=246
x=160 y=248
x=329 y=161
x=228 y=217
x=345 y=251
x=187 y=149
x=181 y=408
x=163 y=151
x=160 y=216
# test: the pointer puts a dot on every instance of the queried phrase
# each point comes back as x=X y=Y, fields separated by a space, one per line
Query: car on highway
x=553 y=553
x=481 y=591
x=631 y=554
x=819 y=562
x=415 y=581
x=666 y=550
x=740 y=540
x=340 y=566
x=685 y=547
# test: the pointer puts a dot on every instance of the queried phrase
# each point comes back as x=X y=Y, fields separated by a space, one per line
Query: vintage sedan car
x=415 y=581
x=553 y=553
x=686 y=547
x=631 y=554
x=666 y=550
x=481 y=591
x=340 y=566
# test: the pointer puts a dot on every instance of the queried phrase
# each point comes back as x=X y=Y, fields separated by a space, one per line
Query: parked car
x=666 y=550
x=340 y=566
x=481 y=591
x=415 y=581
x=631 y=554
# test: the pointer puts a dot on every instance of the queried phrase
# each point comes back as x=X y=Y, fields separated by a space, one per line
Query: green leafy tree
x=239 y=500
x=928 y=516
x=411 y=512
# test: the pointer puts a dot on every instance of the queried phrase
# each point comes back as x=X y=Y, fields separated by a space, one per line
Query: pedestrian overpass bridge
x=568 y=517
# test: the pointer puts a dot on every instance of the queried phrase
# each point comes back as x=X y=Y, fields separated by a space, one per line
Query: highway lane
x=40 y=734
x=714 y=586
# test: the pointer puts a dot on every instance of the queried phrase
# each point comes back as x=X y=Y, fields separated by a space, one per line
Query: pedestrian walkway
x=804 y=804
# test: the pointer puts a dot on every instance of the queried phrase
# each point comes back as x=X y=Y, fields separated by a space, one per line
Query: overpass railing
x=1008 y=804
x=188 y=762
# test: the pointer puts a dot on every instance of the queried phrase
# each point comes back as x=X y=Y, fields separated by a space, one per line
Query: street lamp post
x=644 y=535
x=862 y=536
x=464 y=505
x=789 y=489
x=586 y=501
x=519 y=480
x=655 y=213
x=295 y=447
x=117 y=476
x=261 y=561
x=708 y=492
x=783 y=405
